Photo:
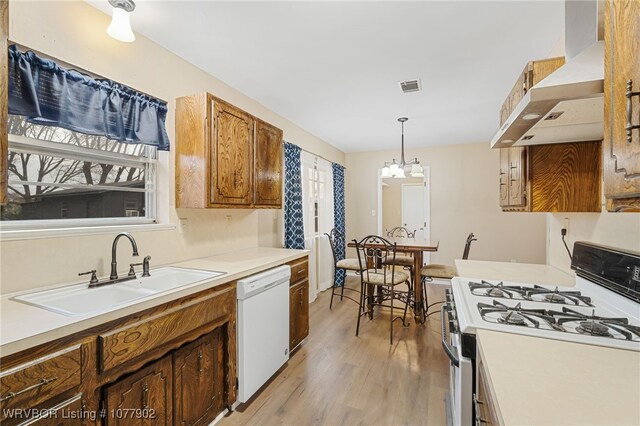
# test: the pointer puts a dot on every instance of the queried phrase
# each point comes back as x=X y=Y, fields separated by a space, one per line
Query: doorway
x=405 y=202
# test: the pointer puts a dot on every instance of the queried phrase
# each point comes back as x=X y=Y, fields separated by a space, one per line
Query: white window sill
x=32 y=234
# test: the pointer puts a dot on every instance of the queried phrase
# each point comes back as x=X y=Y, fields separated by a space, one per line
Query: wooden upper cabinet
x=547 y=178
x=517 y=176
x=621 y=148
x=225 y=157
x=4 y=85
x=232 y=155
x=268 y=167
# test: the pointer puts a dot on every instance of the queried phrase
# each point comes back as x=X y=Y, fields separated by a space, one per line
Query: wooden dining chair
x=374 y=255
x=437 y=271
x=336 y=238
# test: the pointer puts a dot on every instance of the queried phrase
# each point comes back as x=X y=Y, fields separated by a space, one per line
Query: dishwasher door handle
x=445 y=344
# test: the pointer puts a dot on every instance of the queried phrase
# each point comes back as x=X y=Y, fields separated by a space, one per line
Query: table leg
x=417 y=288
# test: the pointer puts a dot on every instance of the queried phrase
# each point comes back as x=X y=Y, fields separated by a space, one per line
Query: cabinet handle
x=145 y=396
x=476 y=404
x=511 y=166
x=42 y=382
x=200 y=362
x=629 y=95
x=300 y=297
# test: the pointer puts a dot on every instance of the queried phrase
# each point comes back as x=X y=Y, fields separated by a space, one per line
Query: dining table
x=415 y=247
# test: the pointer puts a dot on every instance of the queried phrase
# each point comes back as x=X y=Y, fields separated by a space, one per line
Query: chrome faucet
x=114 y=264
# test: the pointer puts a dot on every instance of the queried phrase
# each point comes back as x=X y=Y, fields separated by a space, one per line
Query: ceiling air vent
x=410 y=85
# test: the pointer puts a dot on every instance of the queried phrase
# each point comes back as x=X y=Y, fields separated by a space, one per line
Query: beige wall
x=464 y=198
x=621 y=230
x=74 y=32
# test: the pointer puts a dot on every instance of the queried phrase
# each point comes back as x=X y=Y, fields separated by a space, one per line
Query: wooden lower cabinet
x=299 y=313
x=199 y=380
x=485 y=411
x=143 y=398
x=171 y=364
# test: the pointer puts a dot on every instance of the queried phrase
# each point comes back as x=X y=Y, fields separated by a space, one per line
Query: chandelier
x=397 y=170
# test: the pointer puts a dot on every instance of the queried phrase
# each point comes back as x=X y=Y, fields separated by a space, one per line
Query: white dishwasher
x=263 y=328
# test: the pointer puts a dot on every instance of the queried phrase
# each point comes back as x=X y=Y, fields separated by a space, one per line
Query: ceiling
x=333 y=67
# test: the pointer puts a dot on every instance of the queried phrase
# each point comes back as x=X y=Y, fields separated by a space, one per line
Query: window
x=62 y=178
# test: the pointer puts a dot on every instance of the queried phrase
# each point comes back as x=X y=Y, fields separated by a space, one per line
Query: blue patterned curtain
x=338 y=216
x=293 y=223
x=50 y=95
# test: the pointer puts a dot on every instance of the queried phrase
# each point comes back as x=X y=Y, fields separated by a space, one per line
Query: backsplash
x=620 y=230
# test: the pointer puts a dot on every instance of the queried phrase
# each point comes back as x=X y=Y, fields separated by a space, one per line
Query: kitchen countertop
x=537 y=381
x=24 y=326
x=519 y=272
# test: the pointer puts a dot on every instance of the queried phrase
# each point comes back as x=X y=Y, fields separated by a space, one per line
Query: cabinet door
x=232 y=155
x=4 y=142
x=299 y=313
x=268 y=170
x=504 y=177
x=517 y=176
x=622 y=67
x=198 y=384
x=143 y=398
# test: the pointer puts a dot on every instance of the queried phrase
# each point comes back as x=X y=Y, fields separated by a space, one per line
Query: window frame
x=148 y=161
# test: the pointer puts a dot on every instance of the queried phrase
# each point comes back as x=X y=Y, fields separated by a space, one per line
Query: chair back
x=400 y=232
x=374 y=253
x=336 y=238
x=467 y=246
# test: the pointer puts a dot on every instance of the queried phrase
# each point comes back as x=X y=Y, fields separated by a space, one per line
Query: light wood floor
x=336 y=378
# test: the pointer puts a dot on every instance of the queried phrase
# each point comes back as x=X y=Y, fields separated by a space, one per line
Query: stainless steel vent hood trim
x=572 y=96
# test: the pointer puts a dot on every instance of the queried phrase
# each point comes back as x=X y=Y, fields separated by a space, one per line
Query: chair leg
x=425 y=301
x=391 y=318
x=333 y=289
x=361 y=307
x=342 y=287
x=406 y=305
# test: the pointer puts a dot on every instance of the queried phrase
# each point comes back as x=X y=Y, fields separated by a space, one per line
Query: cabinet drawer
x=69 y=412
x=32 y=383
x=134 y=340
x=299 y=270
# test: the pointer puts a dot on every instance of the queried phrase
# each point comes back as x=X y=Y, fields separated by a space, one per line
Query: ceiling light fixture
x=397 y=170
x=120 y=27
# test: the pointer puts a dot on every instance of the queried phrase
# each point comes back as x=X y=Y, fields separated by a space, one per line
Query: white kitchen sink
x=79 y=299
x=168 y=278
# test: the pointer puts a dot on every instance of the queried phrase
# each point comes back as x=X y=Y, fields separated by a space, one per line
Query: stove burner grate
x=593 y=328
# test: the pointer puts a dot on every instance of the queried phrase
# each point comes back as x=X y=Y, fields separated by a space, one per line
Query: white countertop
x=23 y=326
x=530 y=273
x=536 y=381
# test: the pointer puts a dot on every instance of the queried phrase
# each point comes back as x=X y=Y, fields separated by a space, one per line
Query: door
x=232 y=155
x=143 y=398
x=268 y=170
x=622 y=75
x=199 y=375
x=413 y=206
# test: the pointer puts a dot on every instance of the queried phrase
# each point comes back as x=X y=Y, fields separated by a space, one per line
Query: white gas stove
x=586 y=313
x=603 y=308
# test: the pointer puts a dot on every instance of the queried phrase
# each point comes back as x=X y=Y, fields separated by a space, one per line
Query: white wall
x=464 y=198
x=74 y=32
x=620 y=230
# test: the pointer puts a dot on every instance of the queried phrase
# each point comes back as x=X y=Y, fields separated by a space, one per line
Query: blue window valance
x=50 y=95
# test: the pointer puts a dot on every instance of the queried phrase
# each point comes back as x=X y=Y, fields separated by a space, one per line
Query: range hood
x=568 y=105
